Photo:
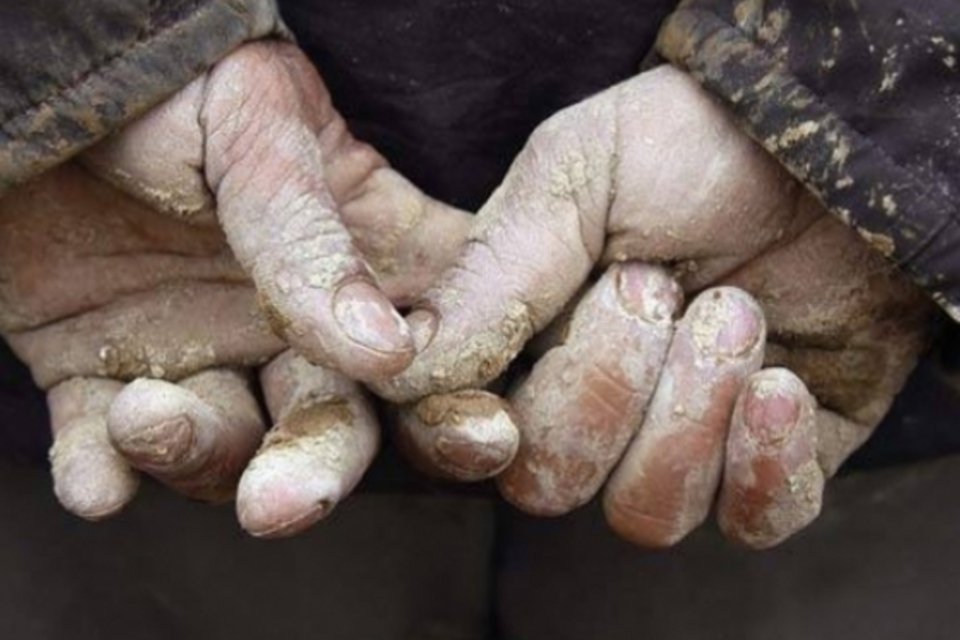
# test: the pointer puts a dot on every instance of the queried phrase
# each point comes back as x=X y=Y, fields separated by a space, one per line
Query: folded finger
x=665 y=484
x=584 y=399
x=90 y=479
x=195 y=436
x=325 y=435
x=772 y=482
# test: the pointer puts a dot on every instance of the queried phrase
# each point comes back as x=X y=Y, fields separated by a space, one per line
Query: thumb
x=326 y=229
x=263 y=113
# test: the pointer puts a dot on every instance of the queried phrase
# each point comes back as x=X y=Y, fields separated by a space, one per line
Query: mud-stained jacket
x=859 y=99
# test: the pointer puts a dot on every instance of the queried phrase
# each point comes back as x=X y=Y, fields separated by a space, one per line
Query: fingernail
x=481 y=441
x=368 y=318
x=469 y=458
x=771 y=410
x=648 y=292
x=423 y=325
x=161 y=444
x=284 y=528
x=726 y=323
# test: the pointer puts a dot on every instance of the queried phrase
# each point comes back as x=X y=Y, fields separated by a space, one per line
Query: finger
x=325 y=435
x=772 y=482
x=264 y=110
x=195 y=436
x=171 y=332
x=465 y=436
x=584 y=399
x=90 y=478
x=532 y=247
x=665 y=484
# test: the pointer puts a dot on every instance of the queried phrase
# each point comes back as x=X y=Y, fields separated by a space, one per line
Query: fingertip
x=357 y=332
x=281 y=494
x=324 y=440
x=773 y=485
x=90 y=479
x=368 y=318
x=772 y=403
x=157 y=425
x=423 y=325
x=195 y=436
x=452 y=355
x=648 y=292
x=726 y=322
x=466 y=436
x=485 y=450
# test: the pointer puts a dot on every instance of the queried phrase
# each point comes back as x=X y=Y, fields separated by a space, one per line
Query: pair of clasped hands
x=703 y=333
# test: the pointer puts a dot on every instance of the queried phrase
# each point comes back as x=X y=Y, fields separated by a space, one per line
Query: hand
x=653 y=172
x=98 y=288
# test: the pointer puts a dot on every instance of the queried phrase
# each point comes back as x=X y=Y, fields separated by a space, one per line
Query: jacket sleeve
x=72 y=72
x=859 y=99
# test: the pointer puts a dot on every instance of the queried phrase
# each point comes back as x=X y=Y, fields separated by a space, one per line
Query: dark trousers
x=881 y=563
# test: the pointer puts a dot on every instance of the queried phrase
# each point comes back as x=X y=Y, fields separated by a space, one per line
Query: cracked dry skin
x=665 y=483
x=583 y=401
x=96 y=282
x=670 y=180
x=772 y=484
x=654 y=171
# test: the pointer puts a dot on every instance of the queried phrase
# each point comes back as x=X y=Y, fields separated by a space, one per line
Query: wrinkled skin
x=666 y=412
x=648 y=173
x=101 y=287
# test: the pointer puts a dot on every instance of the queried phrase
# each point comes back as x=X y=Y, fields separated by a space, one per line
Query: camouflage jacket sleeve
x=859 y=99
x=71 y=72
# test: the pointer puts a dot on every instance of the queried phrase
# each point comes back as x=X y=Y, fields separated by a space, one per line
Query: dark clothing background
x=449 y=91
x=859 y=100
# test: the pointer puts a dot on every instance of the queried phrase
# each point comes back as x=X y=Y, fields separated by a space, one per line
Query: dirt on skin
x=773 y=484
x=91 y=479
x=455 y=408
x=584 y=399
x=310 y=420
x=466 y=435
